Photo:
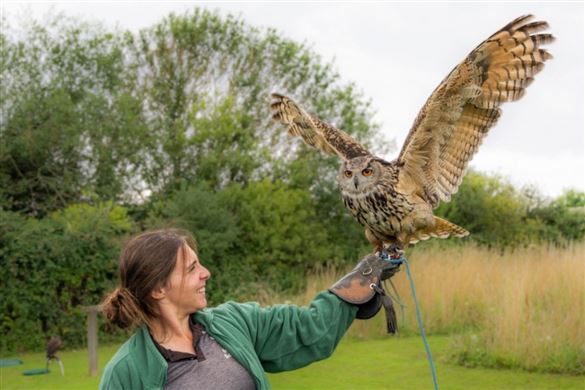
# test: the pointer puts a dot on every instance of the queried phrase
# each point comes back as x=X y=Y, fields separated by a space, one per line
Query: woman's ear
x=158 y=293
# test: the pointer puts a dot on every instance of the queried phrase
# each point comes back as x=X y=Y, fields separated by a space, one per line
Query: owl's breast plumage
x=380 y=210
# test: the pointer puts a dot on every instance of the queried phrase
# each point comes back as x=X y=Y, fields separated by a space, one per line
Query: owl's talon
x=395 y=251
x=397 y=255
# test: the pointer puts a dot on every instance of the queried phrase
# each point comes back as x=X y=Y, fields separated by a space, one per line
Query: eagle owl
x=394 y=200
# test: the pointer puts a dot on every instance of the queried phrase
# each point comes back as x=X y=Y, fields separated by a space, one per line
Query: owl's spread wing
x=314 y=131
x=454 y=120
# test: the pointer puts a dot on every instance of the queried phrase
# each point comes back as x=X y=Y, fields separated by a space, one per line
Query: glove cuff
x=369 y=309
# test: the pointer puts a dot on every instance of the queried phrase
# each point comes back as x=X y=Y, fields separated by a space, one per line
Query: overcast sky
x=397 y=53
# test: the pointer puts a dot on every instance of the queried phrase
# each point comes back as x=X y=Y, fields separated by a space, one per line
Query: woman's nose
x=205 y=274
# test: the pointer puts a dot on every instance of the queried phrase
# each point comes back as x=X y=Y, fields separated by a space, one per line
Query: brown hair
x=146 y=262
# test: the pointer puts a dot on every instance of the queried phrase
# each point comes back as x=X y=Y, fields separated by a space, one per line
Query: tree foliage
x=126 y=115
x=205 y=82
x=69 y=123
x=499 y=215
x=54 y=266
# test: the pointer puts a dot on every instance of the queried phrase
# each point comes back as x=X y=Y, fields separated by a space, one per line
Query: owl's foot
x=395 y=251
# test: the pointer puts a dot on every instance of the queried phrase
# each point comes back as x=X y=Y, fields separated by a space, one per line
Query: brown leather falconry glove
x=363 y=287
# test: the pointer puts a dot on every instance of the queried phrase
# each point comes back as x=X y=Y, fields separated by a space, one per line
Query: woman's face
x=185 y=291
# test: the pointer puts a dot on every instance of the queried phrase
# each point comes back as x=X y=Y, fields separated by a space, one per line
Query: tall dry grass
x=520 y=309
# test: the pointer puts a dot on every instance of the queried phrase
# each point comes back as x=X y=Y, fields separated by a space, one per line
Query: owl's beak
x=355 y=182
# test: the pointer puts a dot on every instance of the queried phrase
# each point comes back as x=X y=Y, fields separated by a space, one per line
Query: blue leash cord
x=399 y=261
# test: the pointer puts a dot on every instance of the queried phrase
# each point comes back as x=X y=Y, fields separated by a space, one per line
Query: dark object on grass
x=36 y=371
x=52 y=347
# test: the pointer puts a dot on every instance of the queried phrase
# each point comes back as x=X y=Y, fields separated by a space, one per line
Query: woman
x=181 y=344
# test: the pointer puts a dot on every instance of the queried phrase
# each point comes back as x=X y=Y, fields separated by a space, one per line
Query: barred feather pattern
x=314 y=131
x=455 y=119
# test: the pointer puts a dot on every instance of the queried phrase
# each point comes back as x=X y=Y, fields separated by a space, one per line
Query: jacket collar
x=152 y=364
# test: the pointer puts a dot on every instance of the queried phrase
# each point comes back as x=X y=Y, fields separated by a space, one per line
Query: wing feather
x=453 y=122
x=313 y=131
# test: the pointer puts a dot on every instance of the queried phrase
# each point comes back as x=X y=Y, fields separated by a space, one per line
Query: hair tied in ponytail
x=121 y=308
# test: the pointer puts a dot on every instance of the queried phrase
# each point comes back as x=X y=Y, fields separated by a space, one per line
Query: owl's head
x=359 y=175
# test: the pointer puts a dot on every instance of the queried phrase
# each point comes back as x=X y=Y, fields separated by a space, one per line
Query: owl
x=395 y=200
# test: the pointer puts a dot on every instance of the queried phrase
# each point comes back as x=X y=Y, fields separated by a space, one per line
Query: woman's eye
x=367 y=172
x=347 y=173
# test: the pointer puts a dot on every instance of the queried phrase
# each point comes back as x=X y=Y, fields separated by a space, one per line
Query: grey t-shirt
x=212 y=368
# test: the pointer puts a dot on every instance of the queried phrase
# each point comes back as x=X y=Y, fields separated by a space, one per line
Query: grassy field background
x=388 y=363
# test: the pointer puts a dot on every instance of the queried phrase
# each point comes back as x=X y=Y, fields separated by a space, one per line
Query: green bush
x=54 y=266
x=501 y=216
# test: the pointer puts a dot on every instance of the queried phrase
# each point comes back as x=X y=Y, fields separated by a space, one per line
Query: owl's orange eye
x=347 y=173
x=367 y=172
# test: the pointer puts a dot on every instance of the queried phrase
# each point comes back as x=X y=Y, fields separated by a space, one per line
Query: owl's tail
x=441 y=229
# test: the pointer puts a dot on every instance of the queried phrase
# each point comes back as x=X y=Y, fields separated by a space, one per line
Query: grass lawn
x=391 y=363
x=401 y=363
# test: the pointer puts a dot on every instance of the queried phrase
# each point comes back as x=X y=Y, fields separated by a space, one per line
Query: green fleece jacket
x=273 y=339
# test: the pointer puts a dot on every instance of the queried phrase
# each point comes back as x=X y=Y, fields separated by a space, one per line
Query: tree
x=499 y=215
x=206 y=80
x=69 y=123
x=124 y=115
x=560 y=220
x=571 y=199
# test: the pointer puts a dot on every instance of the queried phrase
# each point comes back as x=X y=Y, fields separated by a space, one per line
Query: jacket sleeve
x=286 y=337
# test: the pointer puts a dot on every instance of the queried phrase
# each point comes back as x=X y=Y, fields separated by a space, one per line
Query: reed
x=524 y=308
